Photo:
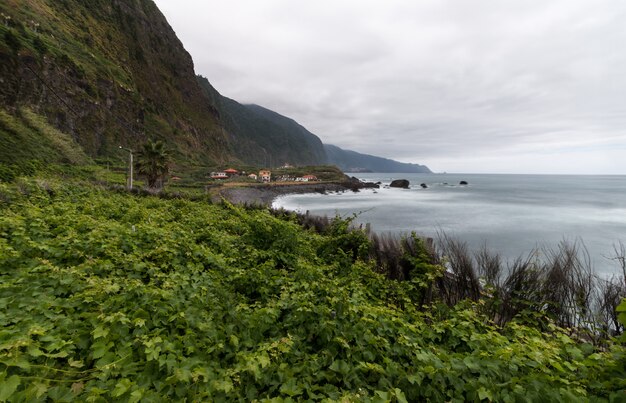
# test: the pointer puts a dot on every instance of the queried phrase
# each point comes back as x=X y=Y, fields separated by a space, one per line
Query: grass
x=26 y=136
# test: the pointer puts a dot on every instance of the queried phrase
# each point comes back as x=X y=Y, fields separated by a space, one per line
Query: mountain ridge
x=352 y=161
x=280 y=138
x=109 y=73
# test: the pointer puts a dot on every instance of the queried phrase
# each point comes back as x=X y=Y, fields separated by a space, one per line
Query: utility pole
x=130 y=167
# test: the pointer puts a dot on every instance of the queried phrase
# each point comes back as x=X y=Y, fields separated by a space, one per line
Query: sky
x=473 y=86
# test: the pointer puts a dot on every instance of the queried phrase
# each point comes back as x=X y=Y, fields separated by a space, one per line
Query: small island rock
x=463 y=183
x=399 y=183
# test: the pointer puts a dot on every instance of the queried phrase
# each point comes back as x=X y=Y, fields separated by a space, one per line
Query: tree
x=153 y=162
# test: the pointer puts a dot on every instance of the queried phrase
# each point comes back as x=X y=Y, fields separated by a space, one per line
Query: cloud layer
x=521 y=86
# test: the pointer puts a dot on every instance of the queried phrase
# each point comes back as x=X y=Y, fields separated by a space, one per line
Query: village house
x=219 y=175
x=307 y=178
x=265 y=175
x=231 y=172
x=253 y=176
x=286 y=178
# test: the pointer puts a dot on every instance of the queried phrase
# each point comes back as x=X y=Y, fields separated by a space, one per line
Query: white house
x=219 y=175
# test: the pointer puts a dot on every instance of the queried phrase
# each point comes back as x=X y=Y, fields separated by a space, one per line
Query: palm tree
x=153 y=162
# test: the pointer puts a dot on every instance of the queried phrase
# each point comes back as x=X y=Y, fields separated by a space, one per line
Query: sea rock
x=355 y=184
x=463 y=183
x=399 y=183
x=424 y=186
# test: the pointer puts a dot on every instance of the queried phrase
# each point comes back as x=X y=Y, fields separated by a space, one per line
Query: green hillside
x=265 y=137
x=106 y=73
x=26 y=136
x=352 y=161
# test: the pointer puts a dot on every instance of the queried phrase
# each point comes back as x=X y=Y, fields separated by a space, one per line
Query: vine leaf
x=8 y=387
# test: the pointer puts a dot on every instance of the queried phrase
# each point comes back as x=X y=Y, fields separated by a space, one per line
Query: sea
x=512 y=215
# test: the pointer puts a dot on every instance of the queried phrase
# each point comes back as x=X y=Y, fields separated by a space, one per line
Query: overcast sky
x=497 y=86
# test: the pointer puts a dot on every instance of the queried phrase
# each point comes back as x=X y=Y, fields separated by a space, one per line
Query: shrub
x=12 y=41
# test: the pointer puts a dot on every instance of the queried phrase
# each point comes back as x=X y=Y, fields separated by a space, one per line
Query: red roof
x=231 y=171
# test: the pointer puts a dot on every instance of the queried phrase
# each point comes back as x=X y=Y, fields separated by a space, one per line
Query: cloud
x=472 y=85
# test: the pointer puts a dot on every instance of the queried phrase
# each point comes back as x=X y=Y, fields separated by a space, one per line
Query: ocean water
x=512 y=215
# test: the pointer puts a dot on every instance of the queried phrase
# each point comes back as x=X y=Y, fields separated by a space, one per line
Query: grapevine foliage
x=110 y=297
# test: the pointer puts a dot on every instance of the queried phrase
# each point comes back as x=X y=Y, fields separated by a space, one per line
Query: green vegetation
x=28 y=143
x=264 y=137
x=109 y=296
x=98 y=70
x=28 y=136
x=153 y=162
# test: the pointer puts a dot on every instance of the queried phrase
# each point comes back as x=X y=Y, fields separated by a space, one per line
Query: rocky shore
x=266 y=193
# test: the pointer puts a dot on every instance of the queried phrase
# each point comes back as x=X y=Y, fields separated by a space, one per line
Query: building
x=253 y=176
x=285 y=178
x=265 y=175
x=219 y=175
x=231 y=172
x=307 y=178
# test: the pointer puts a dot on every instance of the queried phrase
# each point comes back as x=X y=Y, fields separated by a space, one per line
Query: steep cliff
x=265 y=137
x=106 y=72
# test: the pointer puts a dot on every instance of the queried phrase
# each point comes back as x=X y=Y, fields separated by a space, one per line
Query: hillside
x=286 y=141
x=109 y=73
x=264 y=137
x=106 y=73
x=352 y=161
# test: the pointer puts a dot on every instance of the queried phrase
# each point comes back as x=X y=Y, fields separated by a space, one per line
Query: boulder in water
x=399 y=183
x=463 y=183
x=424 y=186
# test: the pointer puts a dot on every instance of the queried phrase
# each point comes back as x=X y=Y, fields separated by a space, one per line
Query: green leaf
x=415 y=378
x=223 y=385
x=400 y=397
x=484 y=394
x=135 y=396
x=75 y=363
x=382 y=396
x=291 y=387
x=8 y=387
x=263 y=360
x=121 y=387
x=340 y=366
x=99 y=331
x=99 y=349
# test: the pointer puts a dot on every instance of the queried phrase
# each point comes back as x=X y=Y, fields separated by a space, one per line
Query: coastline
x=265 y=194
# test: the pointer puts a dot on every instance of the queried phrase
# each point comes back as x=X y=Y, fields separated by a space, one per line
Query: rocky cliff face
x=107 y=72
